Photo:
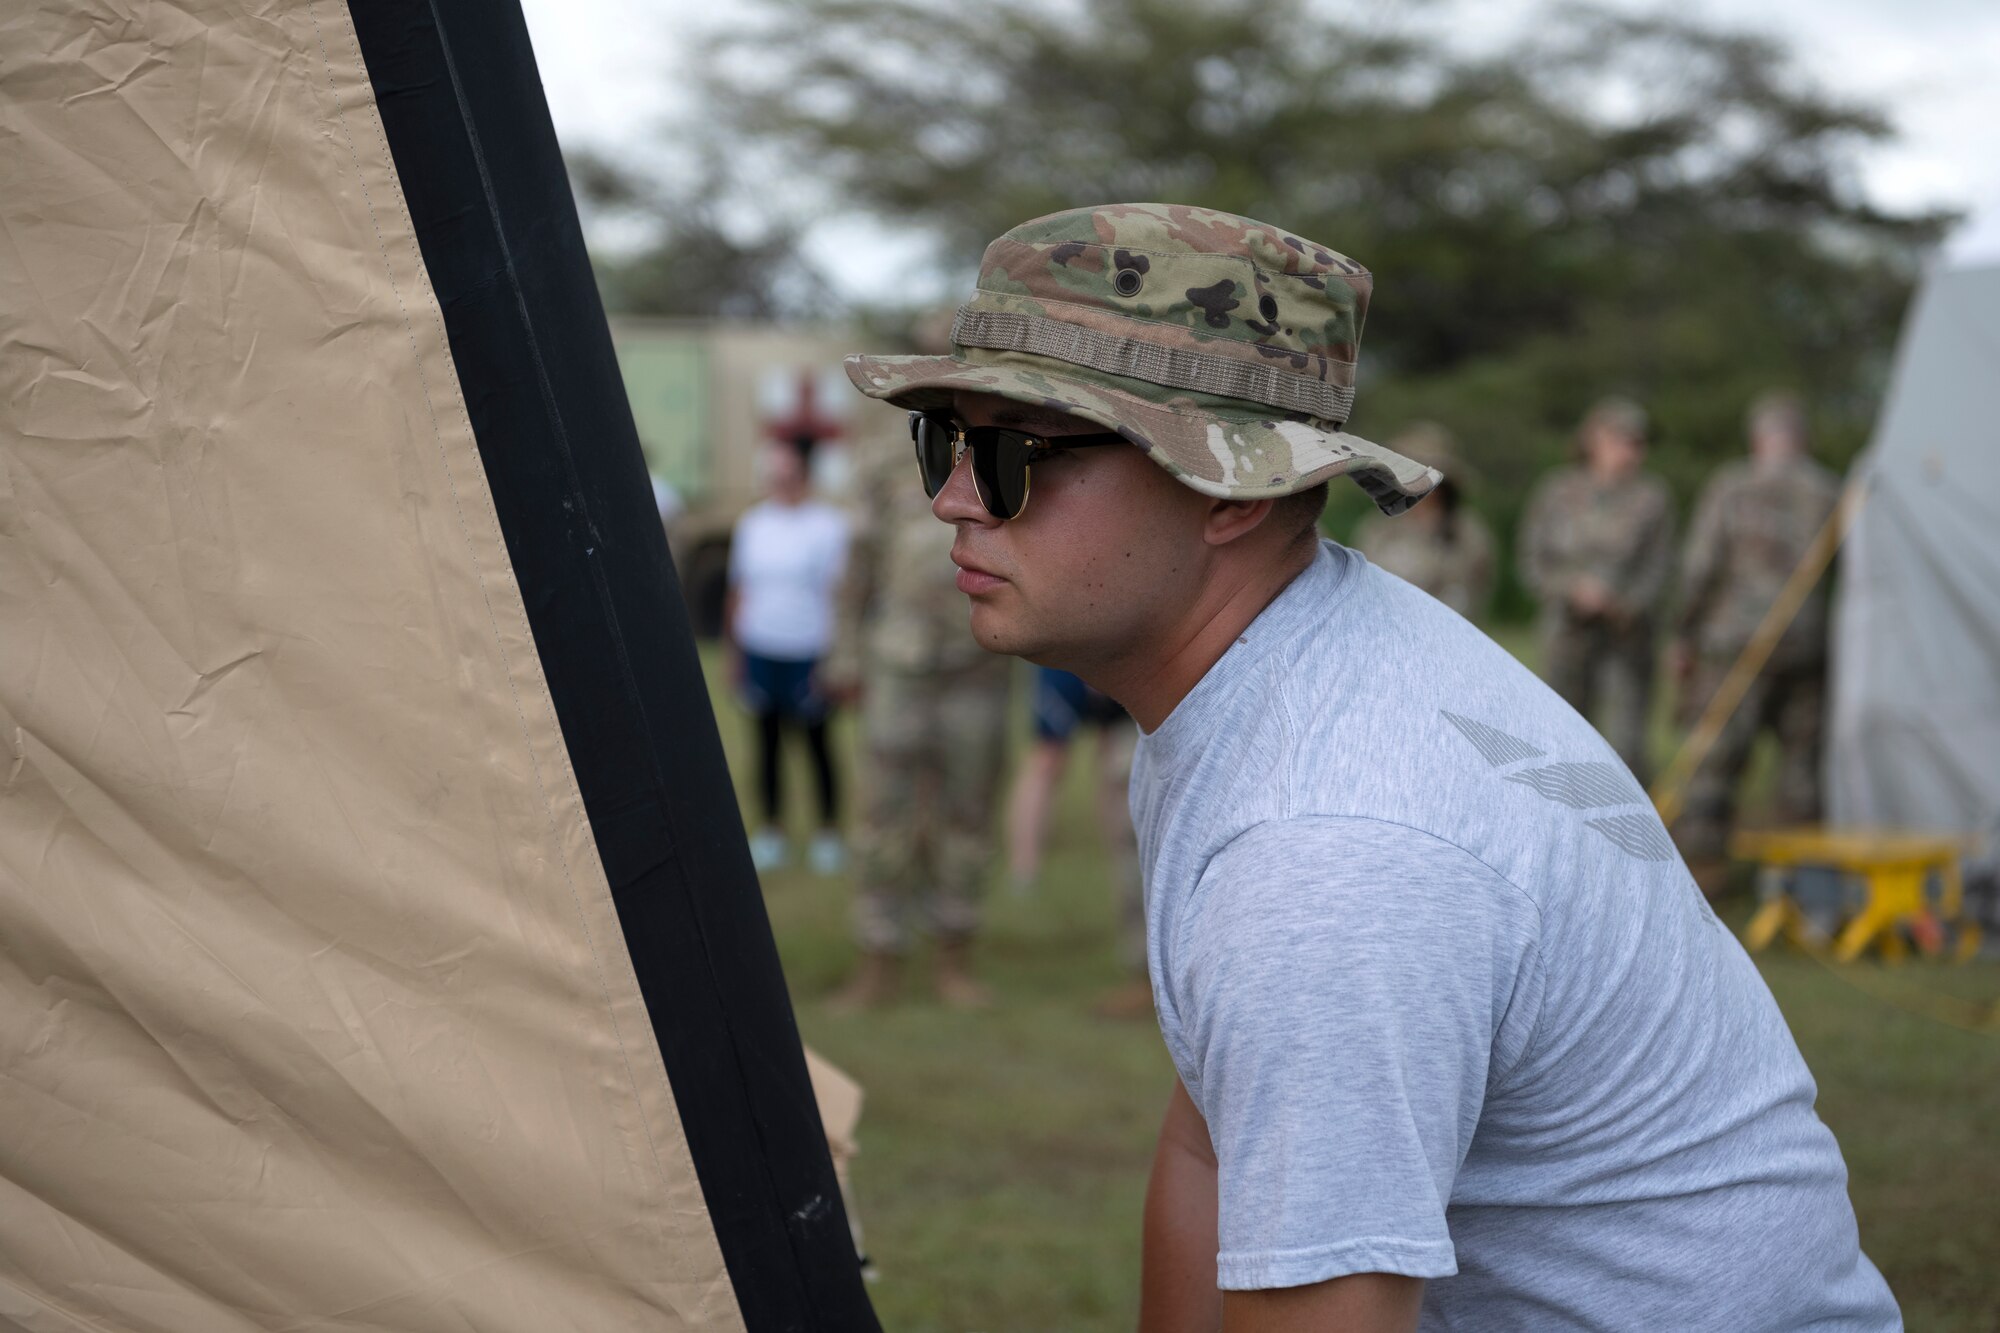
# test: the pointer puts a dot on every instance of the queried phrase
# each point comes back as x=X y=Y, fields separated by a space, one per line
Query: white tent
x=1915 y=717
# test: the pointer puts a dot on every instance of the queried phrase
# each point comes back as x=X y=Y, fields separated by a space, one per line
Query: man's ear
x=1232 y=520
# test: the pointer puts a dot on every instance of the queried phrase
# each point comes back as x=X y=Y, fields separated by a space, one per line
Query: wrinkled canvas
x=314 y=1009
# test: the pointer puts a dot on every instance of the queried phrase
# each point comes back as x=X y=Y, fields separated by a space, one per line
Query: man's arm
x=1362 y=1303
x=1178 y=1293
x=1342 y=1053
x=1646 y=580
x=1177 y=1284
x=859 y=585
x=1701 y=562
x=1539 y=566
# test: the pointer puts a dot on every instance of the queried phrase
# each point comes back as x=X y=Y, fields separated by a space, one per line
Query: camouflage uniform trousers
x=933 y=745
x=1790 y=701
x=1603 y=668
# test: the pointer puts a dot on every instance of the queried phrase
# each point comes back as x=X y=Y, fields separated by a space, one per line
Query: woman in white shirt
x=785 y=560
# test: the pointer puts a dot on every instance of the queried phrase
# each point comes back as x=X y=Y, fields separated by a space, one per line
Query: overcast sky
x=609 y=67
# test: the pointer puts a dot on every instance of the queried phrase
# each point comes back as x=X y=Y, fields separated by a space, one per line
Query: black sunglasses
x=1000 y=457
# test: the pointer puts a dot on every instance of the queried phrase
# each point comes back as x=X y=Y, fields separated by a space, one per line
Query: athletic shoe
x=767 y=849
x=827 y=855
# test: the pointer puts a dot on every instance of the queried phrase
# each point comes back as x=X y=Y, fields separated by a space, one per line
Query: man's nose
x=958 y=500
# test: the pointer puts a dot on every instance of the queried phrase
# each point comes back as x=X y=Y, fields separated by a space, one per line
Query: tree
x=1646 y=205
x=689 y=263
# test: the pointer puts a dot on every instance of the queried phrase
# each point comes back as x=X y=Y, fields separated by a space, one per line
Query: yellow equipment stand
x=1894 y=867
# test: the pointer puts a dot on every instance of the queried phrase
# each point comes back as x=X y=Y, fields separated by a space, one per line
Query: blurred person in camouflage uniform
x=1596 y=547
x=1442 y=545
x=933 y=711
x=1754 y=523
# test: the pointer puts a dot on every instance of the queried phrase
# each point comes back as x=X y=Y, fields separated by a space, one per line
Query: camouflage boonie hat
x=1619 y=414
x=1222 y=347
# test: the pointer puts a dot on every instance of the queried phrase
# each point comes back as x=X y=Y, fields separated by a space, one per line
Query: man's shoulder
x=1799 y=479
x=1388 y=635
x=1339 y=716
x=1421 y=719
x=1560 y=485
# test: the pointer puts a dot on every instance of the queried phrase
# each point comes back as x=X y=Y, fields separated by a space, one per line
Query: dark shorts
x=778 y=685
x=1063 y=703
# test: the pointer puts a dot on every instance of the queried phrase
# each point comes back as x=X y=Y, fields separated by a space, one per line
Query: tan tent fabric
x=839 y=1098
x=314 y=1009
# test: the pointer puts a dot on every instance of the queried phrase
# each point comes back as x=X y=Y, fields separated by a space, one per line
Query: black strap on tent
x=461 y=105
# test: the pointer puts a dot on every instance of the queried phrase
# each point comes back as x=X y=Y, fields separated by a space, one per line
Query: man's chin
x=997 y=631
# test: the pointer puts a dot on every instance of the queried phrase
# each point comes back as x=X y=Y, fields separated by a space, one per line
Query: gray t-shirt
x=1452 y=1005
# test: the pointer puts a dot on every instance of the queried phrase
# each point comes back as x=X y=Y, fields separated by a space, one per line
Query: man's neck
x=1151 y=681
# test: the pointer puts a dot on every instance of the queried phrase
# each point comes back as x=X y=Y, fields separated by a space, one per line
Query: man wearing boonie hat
x=1459 y=1041
x=1596 y=547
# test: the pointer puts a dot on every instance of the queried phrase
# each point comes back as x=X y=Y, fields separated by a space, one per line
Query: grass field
x=1004 y=1154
